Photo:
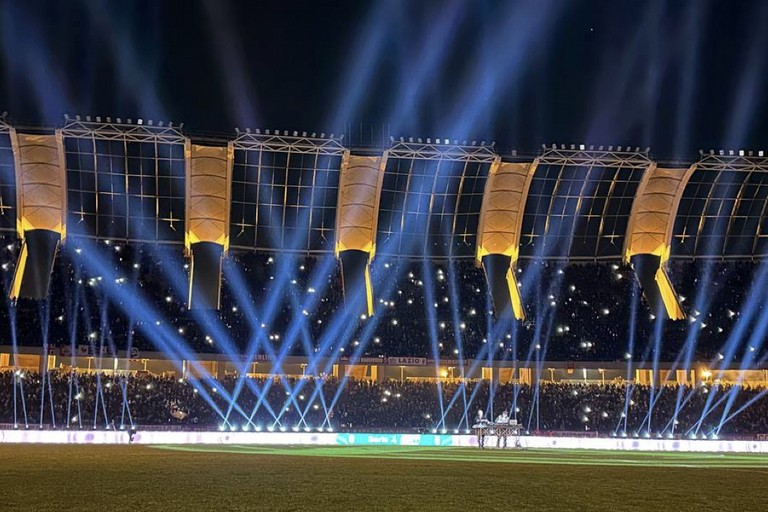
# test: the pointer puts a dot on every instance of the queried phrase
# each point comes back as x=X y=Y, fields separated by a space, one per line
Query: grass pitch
x=190 y=478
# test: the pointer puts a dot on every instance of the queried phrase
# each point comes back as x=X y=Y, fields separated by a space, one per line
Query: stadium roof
x=128 y=181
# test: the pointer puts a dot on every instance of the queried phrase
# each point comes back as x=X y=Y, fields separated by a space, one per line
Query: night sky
x=674 y=75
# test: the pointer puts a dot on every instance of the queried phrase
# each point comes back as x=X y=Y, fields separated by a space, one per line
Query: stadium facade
x=288 y=192
x=115 y=186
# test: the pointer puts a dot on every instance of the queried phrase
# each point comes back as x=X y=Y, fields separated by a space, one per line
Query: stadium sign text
x=362 y=360
x=93 y=351
x=407 y=361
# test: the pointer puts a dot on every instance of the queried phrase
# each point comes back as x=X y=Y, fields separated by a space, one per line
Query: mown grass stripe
x=549 y=457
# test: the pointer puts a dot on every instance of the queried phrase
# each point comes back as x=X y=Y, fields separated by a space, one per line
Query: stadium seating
x=96 y=401
x=578 y=311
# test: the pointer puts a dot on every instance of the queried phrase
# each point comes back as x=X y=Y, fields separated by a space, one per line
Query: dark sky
x=674 y=75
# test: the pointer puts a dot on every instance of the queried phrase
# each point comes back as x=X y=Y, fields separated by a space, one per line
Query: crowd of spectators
x=91 y=400
x=121 y=296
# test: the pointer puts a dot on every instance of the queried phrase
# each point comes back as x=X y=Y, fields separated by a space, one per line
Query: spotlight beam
x=158 y=334
x=457 y=332
x=361 y=67
x=735 y=336
x=347 y=327
x=755 y=340
x=389 y=285
x=299 y=324
x=432 y=328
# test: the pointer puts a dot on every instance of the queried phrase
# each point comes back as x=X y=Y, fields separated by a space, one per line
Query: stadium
x=246 y=319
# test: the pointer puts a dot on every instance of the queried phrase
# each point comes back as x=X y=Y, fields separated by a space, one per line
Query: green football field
x=190 y=478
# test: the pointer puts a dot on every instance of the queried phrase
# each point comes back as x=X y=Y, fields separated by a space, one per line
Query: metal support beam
x=41 y=206
x=289 y=144
x=501 y=219
x=123 y=132
x=360 y=183
x=595 y=158
x=208 y=200
x=651 y=221
x=411 y=150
